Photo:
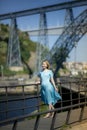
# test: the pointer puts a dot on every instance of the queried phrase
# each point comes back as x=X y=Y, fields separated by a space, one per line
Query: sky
x=54 y=19
x=16 y=5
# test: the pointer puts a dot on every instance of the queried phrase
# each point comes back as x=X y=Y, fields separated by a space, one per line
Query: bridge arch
x=67 y=40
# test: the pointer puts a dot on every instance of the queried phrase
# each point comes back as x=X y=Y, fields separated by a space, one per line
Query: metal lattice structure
x=67 y=40
x=69 y=17
x=14 y=55
x=42 y=46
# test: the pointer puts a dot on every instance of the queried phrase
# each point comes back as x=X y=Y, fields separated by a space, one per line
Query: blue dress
x=48 y=93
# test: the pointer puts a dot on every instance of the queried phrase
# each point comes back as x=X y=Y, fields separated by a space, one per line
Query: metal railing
x=39 y=114
x=74 y=95
x=15 y=93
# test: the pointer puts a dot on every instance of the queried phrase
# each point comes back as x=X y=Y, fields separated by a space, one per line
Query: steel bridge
x=68 y=40
x=64 y=44
x=52 y=31
x=48 y=8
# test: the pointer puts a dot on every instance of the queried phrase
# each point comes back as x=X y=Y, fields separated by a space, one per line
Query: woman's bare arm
x=37 y=81
x=53 y=83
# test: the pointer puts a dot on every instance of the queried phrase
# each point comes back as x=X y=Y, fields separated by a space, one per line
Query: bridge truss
x=14 y=55
x=42 y=45
x=67 y=40
x=64 y=44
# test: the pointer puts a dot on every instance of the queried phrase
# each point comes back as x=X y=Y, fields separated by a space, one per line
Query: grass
x=42 y=108
x=65 y=127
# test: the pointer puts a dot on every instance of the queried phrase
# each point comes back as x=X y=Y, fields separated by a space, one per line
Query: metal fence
x=16 y=98
x=74 y=96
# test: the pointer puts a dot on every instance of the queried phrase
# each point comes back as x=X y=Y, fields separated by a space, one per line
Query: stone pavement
x=78 y=126
x=24 y=126
x=45 y=124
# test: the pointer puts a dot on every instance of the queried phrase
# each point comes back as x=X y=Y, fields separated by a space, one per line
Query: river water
x=13 y=107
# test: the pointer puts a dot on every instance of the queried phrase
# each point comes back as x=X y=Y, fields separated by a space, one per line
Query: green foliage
x=26 y=46
x=3 y=51
x=43 y=108
x=25 y=52
x=25 y=70
x=58 y=74
x=4 y=28
x=7 y=72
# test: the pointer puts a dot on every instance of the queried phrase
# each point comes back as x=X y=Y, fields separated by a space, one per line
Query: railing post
x=81 y=113
x=14 y=125
x=6 y=88
x=70 y=94
x=68 y=116
x=37 y=122
x=85 y=89
x=38 y=98
x=79 y=95
x=23 y=98
x=61 y=94
x=53 y=121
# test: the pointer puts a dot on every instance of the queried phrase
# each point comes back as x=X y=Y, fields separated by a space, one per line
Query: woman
x=49 y=91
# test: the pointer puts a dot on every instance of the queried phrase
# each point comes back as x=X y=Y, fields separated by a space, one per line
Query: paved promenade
x=79 y=126
x=29 y=126
x=45 y=124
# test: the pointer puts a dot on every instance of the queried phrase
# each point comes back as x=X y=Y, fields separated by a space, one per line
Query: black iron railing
x=13 y=94
x=56 y=111
x=74 y=95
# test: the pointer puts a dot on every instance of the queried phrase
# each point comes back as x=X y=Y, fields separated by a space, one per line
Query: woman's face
x=44 y=65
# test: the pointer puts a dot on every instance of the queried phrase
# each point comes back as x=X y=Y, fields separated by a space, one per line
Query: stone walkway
x=45 y=124
x=26 y=126
x=79 y=126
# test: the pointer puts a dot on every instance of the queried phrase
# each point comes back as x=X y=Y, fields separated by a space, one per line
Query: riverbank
x=18 y=86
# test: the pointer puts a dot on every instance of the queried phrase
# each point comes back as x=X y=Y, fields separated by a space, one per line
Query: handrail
x=15 y=119
x=42 y=113
x=80 y=101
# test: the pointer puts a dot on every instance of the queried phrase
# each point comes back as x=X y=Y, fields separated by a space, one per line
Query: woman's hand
x=56 y=89
x=37 y=82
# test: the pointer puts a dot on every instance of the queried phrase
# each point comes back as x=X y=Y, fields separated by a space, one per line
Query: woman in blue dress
x=49 y=91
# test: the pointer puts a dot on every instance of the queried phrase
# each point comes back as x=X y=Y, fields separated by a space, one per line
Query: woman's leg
x=51 y=107
x=48 y=114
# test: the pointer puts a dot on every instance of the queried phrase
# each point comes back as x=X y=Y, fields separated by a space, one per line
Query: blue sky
x=16 y=5
x=54 y=19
